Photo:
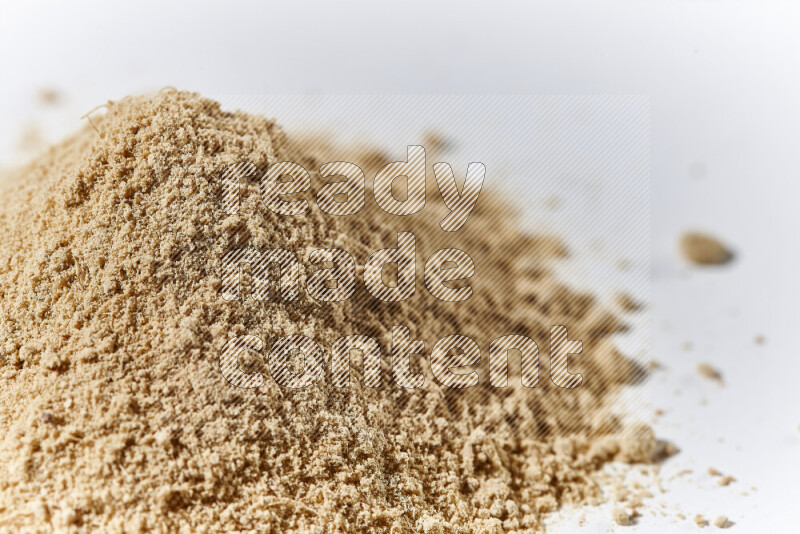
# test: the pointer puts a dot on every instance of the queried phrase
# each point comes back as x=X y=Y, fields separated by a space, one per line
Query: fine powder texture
x=115 y=417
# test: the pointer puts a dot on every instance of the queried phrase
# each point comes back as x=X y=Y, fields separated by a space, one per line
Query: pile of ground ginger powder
x=115 y=417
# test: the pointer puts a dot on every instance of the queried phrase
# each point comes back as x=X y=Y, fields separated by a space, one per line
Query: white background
x=724 y=87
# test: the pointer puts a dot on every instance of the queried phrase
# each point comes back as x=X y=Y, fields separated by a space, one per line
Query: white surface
x=723 y=82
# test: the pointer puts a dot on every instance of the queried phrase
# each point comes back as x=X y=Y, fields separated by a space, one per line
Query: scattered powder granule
x=722 y=522
x=31 y=139
x=700 y=521
x=668 y=450
x=703 y=249
x=760 y=339
x=114 y=414
x=627 y=303
x=623 y=264
x=726 y=480
x=621 y=517
x=681 y=473
x=707 y=371
x=49 y=96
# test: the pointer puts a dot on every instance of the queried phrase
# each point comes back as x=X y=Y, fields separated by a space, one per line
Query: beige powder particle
x=703 y=249
x=707 y=371
x=627 y=303
x=724 y=480
x=722 y=522
x=621 y=517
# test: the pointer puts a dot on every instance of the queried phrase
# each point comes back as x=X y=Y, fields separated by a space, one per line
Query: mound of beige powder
x=115 y=417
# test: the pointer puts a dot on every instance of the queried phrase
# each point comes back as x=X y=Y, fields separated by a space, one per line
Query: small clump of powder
x=722 y=522
x=703 y=249
x=115 y=416
x=706 y=370
x=726 y=480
